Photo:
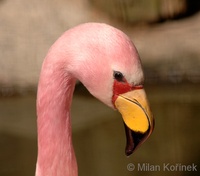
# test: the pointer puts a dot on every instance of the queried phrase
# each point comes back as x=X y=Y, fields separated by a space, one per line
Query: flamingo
x=105 y=60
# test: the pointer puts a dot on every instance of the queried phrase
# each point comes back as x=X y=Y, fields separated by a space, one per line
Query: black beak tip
x=128 y=151
x=133 y=140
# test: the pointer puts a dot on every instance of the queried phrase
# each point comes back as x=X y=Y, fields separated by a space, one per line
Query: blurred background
x=167 y=36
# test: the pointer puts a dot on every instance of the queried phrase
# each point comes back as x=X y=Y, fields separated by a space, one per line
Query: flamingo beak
x=138 y=119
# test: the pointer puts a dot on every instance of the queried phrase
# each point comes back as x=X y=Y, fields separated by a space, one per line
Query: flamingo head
x=108 y=64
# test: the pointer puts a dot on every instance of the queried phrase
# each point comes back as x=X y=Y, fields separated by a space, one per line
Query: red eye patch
x=122 y=87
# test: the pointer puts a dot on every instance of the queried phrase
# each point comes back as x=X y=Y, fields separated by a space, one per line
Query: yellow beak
x=138 y=119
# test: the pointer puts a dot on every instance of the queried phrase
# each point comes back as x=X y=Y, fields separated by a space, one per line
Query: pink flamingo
x=105 y=60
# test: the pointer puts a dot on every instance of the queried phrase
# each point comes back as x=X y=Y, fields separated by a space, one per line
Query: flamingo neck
x=55 y=150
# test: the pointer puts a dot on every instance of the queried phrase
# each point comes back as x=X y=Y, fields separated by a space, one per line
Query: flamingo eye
x=118 y=76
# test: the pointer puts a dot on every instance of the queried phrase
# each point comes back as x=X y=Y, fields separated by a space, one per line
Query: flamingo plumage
x=105 y=60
